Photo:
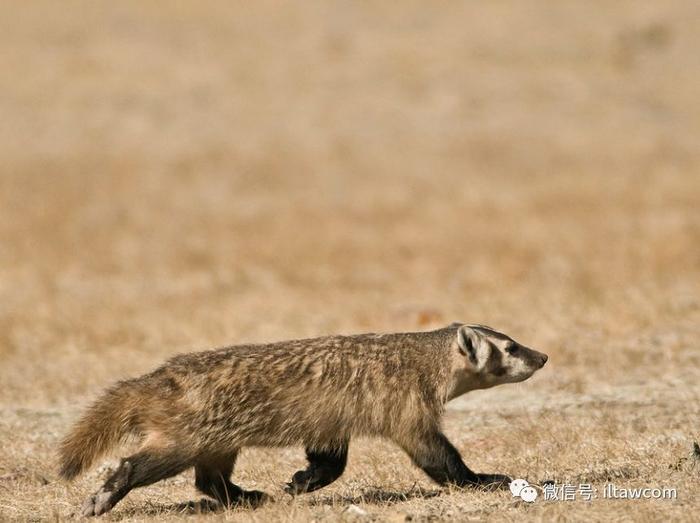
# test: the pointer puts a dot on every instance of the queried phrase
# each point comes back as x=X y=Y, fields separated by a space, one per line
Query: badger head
x=483 y=358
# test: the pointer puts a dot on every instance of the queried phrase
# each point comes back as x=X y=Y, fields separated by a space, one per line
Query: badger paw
x=493 y=481
x=301 y=482
x=97 y=504
x=253 y=499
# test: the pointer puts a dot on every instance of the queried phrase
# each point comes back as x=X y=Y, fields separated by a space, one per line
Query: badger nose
x=544 y=359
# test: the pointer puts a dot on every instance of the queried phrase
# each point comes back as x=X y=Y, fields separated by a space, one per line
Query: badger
x=201 y=409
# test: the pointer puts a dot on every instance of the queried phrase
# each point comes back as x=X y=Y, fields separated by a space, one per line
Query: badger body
x=200 y=409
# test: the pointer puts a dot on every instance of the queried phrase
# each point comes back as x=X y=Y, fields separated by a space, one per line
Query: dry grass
x=180 y=177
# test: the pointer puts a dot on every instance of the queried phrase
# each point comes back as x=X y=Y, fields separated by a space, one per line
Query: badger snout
x=542 y=359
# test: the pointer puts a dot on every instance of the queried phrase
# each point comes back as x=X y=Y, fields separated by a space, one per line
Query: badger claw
x=301 y=482
x=494 y=481
x=97 y=504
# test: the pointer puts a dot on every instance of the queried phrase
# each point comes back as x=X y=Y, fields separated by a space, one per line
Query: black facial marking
x=495 y=363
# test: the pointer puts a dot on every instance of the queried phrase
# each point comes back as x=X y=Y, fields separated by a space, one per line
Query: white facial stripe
x=517 y=366
x=483 y=354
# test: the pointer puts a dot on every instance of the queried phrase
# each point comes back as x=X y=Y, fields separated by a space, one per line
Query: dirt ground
x=177 y=177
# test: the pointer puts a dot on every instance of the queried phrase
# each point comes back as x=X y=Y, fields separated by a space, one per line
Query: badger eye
x=512 y=349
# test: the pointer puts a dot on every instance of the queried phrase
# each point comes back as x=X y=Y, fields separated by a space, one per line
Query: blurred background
x=176 y=176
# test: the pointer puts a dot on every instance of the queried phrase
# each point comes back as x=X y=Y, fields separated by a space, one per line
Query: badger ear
x=466 y=342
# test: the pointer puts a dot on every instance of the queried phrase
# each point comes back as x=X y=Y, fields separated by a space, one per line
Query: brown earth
x=180 y=177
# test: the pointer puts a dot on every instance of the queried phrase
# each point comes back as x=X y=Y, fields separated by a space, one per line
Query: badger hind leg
x=138 y=470
x=325 y=466
x=212 y=475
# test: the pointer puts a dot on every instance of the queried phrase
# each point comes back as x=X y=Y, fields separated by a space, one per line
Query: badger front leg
x=324 y=468
x=440 y=460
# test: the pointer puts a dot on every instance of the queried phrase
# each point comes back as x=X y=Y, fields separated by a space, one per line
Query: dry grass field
x=180 y=176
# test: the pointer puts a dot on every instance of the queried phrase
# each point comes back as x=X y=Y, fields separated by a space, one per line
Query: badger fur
x=200 y=409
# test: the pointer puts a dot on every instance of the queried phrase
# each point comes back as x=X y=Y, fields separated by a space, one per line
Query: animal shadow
x=202 y=506
x=375 y=496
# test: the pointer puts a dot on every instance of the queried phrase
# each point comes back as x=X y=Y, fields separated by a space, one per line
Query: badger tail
x=107 y=422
